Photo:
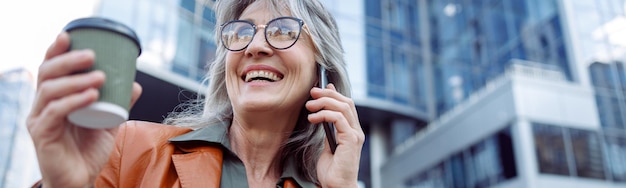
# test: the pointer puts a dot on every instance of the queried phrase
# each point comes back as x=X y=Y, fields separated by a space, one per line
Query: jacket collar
x=218 y=134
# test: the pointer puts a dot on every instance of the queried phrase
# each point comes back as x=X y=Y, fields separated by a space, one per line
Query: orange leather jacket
x=143 y=157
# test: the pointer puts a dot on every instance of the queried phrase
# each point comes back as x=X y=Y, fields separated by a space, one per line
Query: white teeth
x=261 y=74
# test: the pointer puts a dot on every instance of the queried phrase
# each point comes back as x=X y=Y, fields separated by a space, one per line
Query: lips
x=261 y=73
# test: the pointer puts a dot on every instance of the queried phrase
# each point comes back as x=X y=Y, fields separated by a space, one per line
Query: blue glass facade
x=580 y=153
x=195 y=44
x=483 y=164
x=475 y=41
x=176 y=35
x=395 y=69
x=609 y=82
x=468 y=43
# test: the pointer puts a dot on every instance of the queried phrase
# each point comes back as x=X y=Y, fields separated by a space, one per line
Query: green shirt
x=233 y=169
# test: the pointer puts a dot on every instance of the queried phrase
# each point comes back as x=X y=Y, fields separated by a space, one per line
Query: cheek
x=230 y=66
x=312 y=75
x=230 y=72
x=229 y=62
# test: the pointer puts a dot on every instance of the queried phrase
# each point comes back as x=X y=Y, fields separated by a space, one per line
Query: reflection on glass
x=486 y=160
x=616 y=157
x=184 y=46
x=393 y=49
x=400 y=78
x=609 y=81
x=457 y=170
x=550 y=149
x=195 y=46
x=484 y=164
x=477 y=39
x=587 y=154
x=433 y=178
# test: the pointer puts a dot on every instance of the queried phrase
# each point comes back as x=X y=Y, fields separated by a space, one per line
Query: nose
x=259 y=47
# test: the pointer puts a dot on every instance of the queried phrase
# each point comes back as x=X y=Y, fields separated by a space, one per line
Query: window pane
x=400 y=82
x=189 y=5
x=433 y=178
x=616 y=157
x=375 y=71
x=587 y=154
x=550 y=149
x=458 y=171
x=469 y=169
x=507 y=155
x=486 y=162
x=184 y=46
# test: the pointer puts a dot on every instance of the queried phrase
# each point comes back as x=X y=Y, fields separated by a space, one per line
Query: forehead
x=264 y=10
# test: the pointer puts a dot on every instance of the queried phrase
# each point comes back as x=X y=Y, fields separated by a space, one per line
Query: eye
x=237 y=34
x=285 y=29
x=242 y=30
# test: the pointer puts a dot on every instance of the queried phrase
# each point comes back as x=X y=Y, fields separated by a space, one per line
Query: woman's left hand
x=339 y=169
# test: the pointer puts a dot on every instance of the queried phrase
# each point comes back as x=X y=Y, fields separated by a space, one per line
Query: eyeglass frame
x=256 y=27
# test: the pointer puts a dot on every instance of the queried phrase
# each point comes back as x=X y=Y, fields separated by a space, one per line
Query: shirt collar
x=218 y=134
x=215 y=133
x=290 y=172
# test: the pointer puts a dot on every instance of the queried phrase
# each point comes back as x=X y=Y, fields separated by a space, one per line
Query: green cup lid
x=106 y=24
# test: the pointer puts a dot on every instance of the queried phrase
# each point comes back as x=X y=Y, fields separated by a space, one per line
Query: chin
x=254 y=104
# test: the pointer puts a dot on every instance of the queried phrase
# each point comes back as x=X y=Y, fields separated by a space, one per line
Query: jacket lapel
x=200 y=167
x=290 y=184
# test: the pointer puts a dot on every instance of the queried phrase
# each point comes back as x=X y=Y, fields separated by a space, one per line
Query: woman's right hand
x=69 y=155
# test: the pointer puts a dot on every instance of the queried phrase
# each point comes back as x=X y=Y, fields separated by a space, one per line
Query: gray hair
x=306 y=141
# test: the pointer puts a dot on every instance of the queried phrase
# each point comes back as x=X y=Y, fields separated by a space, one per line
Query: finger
x=331 y=86
x=55 y=113
x=348 y=106
x=328 y=116
x=66 y=64
x=331 y=92
x=341 y=123
x=60 y=45
x=57 y=88
x=137 y=90
x=344 y=130
x=327 y=103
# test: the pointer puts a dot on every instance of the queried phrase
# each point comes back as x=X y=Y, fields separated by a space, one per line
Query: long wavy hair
x=306 y=142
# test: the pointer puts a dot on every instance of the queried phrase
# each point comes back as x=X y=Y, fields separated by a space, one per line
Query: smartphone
x=329 y=128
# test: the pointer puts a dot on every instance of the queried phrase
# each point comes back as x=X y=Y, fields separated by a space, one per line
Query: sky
x=30 y=26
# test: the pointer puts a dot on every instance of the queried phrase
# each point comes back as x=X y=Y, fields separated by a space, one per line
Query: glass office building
x=177 y=41
x=451 y=93
x=529 y=93
x=18 y=163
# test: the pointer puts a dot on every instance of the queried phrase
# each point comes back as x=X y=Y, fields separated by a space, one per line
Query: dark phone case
x=329 y=128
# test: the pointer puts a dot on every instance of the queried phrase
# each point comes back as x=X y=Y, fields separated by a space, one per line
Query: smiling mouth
x=262 y=76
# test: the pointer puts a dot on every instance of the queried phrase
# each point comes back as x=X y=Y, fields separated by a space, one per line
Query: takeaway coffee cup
x=116 y=48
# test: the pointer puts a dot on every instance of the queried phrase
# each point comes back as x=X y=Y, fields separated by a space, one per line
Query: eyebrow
x=249 y=19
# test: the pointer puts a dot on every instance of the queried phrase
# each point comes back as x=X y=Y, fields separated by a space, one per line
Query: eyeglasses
x=280 y=33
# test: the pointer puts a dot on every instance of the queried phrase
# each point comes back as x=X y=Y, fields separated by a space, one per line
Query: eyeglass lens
x=280 y=33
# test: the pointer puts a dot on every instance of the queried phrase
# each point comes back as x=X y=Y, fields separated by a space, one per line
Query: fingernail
x=99 y=73
x=85 y=53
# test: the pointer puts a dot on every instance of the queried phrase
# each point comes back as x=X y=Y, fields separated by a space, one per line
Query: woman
x=258 y=127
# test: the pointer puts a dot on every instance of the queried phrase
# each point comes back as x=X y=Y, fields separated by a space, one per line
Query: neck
x=257 y=141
